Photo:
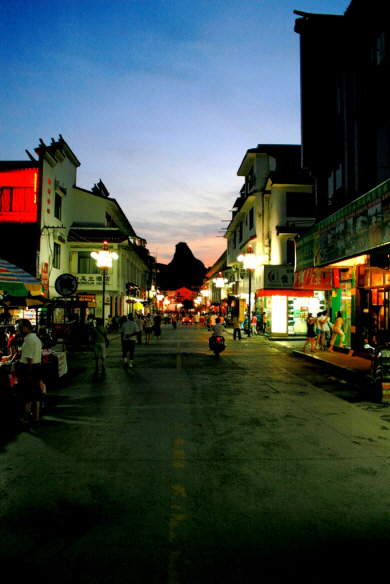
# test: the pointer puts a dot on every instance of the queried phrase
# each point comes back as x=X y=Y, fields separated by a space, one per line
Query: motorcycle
x=217 y=344
x=380 y=369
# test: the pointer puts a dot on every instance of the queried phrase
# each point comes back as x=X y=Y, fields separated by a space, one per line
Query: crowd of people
x=22 y=355
x=320 y=330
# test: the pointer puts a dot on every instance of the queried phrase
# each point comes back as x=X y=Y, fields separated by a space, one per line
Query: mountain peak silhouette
x=183 y=271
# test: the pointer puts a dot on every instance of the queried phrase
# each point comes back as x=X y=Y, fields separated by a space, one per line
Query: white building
x=49 y=226
x=276 y=203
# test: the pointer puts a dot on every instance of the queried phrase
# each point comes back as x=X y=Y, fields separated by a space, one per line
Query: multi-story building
x=276 y=203
x=49 y=226
x=345 y=66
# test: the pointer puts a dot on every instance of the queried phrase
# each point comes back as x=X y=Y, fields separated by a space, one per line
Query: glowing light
x=104 y=257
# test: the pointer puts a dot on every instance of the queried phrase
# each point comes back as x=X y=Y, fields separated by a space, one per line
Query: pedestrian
x=29 y=372
x=311 y=335
x=254 y=324
x=129 y=329
x=174 y=320
x=236 y=328
x=337 y=331
x=100 y=342
x=264 y=322
x=140 y=323
x=148 y=329
x=196 y=319
x=325 y=328
x=318 y=330
x=157 y=325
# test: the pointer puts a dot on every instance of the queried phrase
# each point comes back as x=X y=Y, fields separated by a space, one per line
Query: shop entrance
x=380 y=315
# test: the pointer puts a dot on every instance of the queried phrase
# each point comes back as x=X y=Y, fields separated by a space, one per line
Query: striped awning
x=17 y=282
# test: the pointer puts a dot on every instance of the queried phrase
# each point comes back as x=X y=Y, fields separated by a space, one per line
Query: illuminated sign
x=18 y=196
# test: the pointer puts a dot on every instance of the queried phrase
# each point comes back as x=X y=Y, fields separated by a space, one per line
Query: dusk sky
x=160 y=99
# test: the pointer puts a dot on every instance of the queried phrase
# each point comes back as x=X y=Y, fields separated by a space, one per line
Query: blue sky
x=158 y=98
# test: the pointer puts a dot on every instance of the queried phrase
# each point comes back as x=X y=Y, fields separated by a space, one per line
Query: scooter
x=380 y=369
x=217 y=345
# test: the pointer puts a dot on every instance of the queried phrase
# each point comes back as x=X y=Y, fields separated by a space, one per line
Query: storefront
x=356 y=242
x=286 y=307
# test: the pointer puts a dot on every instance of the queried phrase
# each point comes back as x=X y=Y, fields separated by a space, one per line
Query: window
x=240 y=230
x=86 y=264
x=383 y=153
x=58 y=206
x=5 y=199
x=57 y=256
x=290 y=252
x=300 y=205
x=380 y=48
x=251 y=215
x=13 y=199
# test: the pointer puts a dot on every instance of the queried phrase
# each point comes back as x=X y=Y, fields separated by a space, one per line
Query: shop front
x=356 y=242
x=286 y=307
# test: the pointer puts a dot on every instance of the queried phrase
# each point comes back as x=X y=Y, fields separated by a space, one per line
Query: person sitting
x=217 y=331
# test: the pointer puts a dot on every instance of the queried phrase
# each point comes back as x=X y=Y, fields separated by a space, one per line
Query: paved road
x=189 y=469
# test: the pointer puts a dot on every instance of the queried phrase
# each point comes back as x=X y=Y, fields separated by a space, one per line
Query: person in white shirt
x=29 y=371
x=129 y=329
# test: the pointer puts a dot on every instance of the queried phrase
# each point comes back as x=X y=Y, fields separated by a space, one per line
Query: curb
x=352 y=374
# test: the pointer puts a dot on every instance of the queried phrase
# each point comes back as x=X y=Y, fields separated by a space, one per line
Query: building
x=48 y=226
x=345 y=66
x=276 y=203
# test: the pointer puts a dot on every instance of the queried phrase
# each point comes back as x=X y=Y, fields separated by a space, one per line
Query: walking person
x=196 y=319
x=254 y=324
x=129 y=329
x=148 y=329
x=29 y=372
x=311 y=335
x=100 y=342
x=337 y=331
x=318 y=330
x=157 y=325
x=140 y=324
x=264 y=322
x=325 y=325
x=236 y=328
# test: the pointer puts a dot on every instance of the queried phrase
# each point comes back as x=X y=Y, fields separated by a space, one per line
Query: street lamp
x=220 y=283
x=251 y=261
x=104 y=259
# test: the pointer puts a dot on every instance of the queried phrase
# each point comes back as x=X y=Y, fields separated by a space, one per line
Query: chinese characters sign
x=360 y=226
x=92 y=279
x=315 y=279
x=278 y=277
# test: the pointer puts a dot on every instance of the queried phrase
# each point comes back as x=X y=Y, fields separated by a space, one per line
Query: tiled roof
x=94 y=234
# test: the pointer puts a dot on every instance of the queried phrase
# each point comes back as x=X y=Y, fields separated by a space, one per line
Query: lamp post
x=250 y=260
x=104 y=259
x=220 y=283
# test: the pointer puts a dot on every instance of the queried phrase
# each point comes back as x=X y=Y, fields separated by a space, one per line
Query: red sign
x=45 y=277
x=315 y=279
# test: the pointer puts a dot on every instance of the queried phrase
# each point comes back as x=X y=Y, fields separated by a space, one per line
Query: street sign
x=66 y=285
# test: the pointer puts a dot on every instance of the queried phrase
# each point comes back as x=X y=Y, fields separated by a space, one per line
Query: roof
x=17 y=164
x=96 y=234
x=57 y=149
x=286 y=155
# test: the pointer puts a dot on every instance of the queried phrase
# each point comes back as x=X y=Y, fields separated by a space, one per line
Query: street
x=190 y=469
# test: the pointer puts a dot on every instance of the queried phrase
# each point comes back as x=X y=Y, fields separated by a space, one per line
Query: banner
x=359 y=227
x=316 y=279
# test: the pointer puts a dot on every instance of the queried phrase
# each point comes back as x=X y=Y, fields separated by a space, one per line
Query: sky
x=160 y=99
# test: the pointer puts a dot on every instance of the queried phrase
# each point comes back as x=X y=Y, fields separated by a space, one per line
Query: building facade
x=345 y=65
x=276 y=203
x=49 y=226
